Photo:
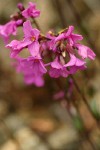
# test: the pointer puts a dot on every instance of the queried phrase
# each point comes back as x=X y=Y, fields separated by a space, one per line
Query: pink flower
x=31 y=37
x=75 y=61
x=85 y=52
x=74 y=69
x=19 y=22
x=20 y=6
x=8 y=29
x=31 y=11
x=67 y=36
x=15 y=46
x=57 y=69
x=59 y=47
x=33 y=70
x=30 y=41
x=70 y=36
x=75 y=64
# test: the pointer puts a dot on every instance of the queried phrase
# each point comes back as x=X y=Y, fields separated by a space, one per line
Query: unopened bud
x=20 y=6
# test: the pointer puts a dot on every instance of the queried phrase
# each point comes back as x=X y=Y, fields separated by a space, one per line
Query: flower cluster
x=18 y=19
x=56 y=54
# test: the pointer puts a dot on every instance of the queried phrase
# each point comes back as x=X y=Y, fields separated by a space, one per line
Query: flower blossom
x=57 y=69
x=20 y=6
x=59 y=55
x=75 y=64
x=31 y=11
x=31 y=37
x=65 y=44
x=15 y=46
x=85 y=52
x=30 y=41
x=33 y=70
x=7 y=30
x=67 y=36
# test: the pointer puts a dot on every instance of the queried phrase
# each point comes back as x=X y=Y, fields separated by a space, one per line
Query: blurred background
x=32 y=118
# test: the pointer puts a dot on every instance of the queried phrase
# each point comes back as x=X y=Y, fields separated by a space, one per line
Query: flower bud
x=20 y=6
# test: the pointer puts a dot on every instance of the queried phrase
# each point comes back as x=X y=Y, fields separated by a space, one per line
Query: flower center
x=33 y=38
x=36 y=60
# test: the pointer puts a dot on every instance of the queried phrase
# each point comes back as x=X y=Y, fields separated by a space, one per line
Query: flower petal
x=35 y=33
x=74 y=61
x=56 y=64
x=85 y=52
x=34 y=49
x=27 y=28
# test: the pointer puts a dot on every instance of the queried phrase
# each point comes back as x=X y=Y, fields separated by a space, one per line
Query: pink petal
x=85 y=51
x=27 y=28
x=24 y=43
x=36 y=33
x=13 y=44
x=56 y=64
x=31 y=11
x=39 y=81
x=54 y=73
x=69 y=31
x=60 y=37
x=64 y=73
x=42 y=67
x=79 y=62
x=72 y=61
x=34 y=49
x=91 y=54
x=76 y=37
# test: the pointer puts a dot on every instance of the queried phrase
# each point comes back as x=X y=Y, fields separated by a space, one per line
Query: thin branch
x=36 y=24
x=86 y=134
x=84 y=99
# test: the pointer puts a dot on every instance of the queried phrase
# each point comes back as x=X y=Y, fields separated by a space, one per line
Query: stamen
x=33 y=38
